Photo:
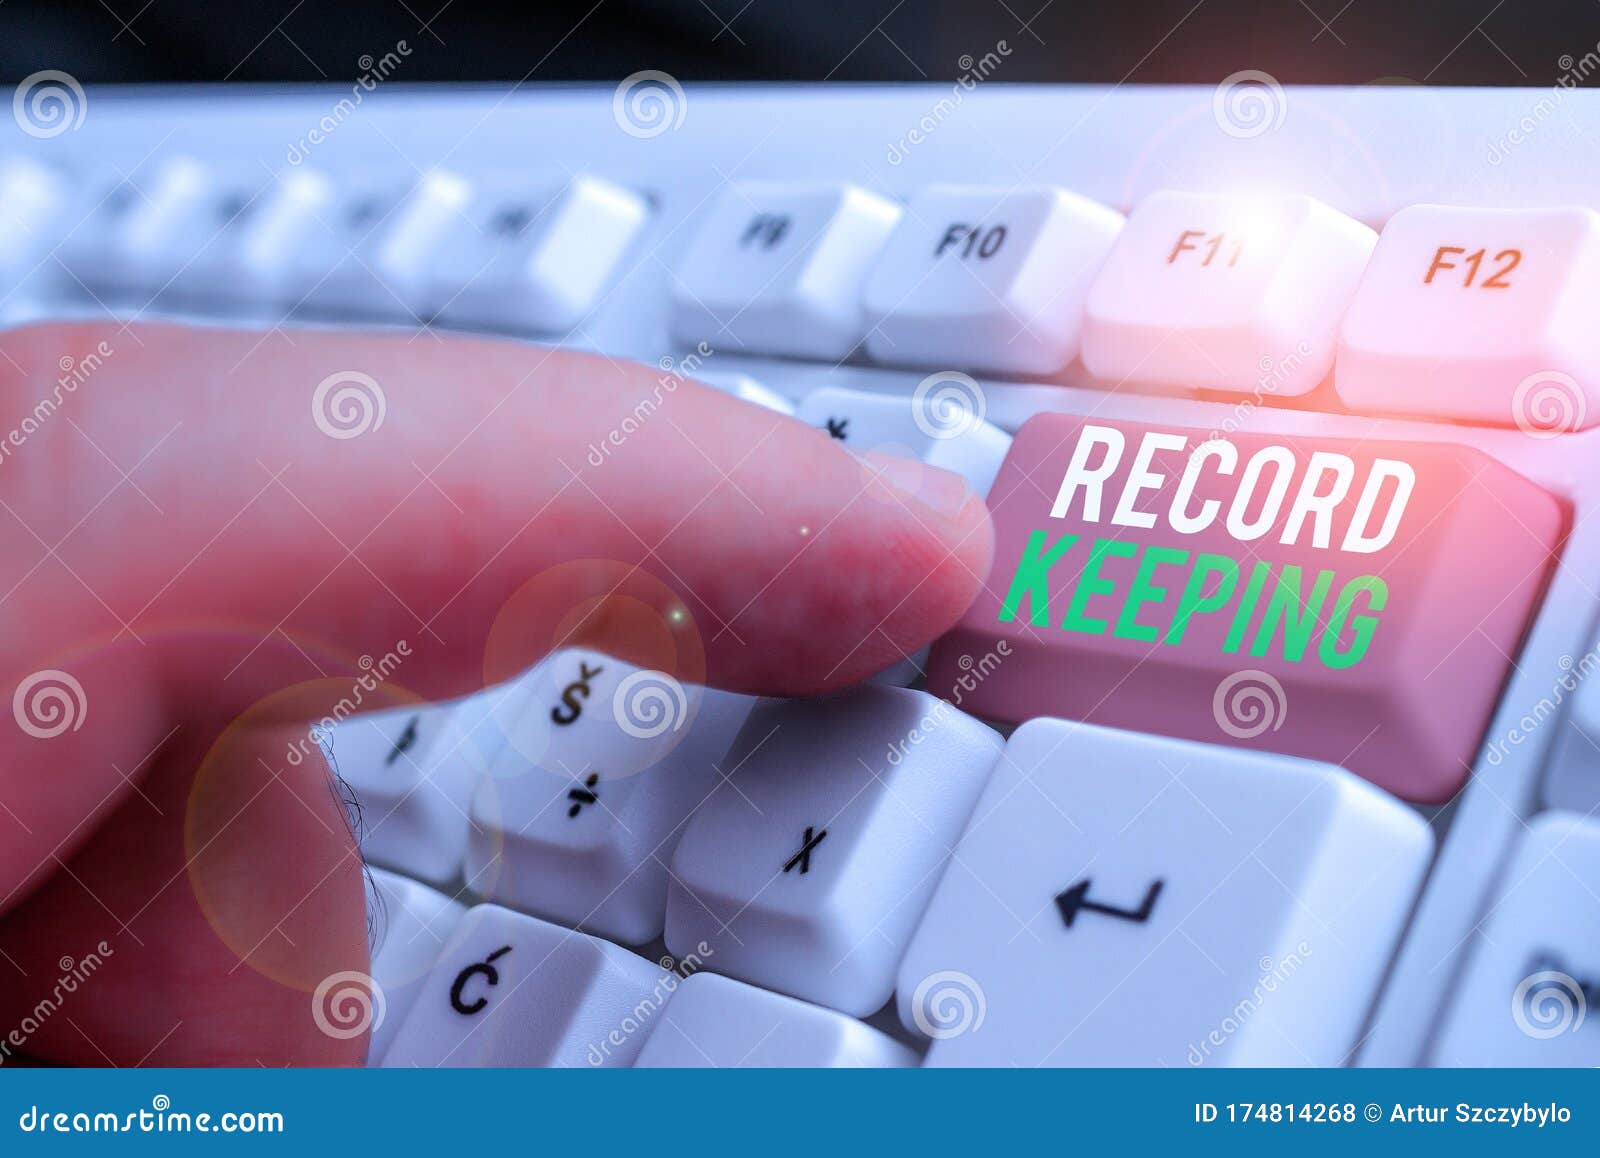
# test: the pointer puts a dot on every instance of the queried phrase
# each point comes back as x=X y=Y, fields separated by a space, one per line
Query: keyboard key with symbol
x=1479 y=314
x=1355 y=602
x=409 y=925
x=510 y=990
x=412 y=770
x=779 y=269
x=1530 y=995
x=142 y=234
x=254 y=258
x=807 y=872
x=536 y=262
x=1132 y=900
x=379 y=260
x=579 y=813
x=942 y=427
x=716 y=1022
x=987 y=278
x=1225 y=293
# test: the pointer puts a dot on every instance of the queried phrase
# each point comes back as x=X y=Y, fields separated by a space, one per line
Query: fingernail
x=943 y=492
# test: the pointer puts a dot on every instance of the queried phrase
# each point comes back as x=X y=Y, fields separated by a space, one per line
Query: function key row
x=1451 y=312
x=490 y=255
x=1455 y=313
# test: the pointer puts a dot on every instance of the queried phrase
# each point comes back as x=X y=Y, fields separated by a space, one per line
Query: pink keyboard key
x=1354 y=602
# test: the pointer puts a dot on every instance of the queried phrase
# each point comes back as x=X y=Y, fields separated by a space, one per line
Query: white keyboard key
x=409 y=924
x=779 y=269
x=145 y=230
x=510 y=990
x=719 y=1023
x=941 y=425
x=987 y=278
x=1242 y=294
x=536 y=261
x=1530 y=995
x=808 y=872
x=412 y=770
x=32 y=197
x=1480 y=314
x=746 y=388
x=582 y=834
x=1572 y=771
x=384 y=251
x=262 y=241
x=1118 y=899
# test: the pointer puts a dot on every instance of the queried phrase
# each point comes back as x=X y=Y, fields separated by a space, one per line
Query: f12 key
x=1353 y=602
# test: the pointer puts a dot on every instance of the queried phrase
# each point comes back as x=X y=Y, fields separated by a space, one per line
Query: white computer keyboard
x=1358 y=294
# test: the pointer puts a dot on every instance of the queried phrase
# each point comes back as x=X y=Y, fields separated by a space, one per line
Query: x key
x=803 y=857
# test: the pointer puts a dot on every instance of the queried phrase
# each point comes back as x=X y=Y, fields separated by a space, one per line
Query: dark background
x=1453 y=42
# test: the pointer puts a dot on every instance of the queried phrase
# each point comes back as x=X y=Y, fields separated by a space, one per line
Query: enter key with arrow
x=1074 y=900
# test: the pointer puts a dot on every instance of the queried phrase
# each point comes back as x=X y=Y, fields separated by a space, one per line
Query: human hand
x=183 y=540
